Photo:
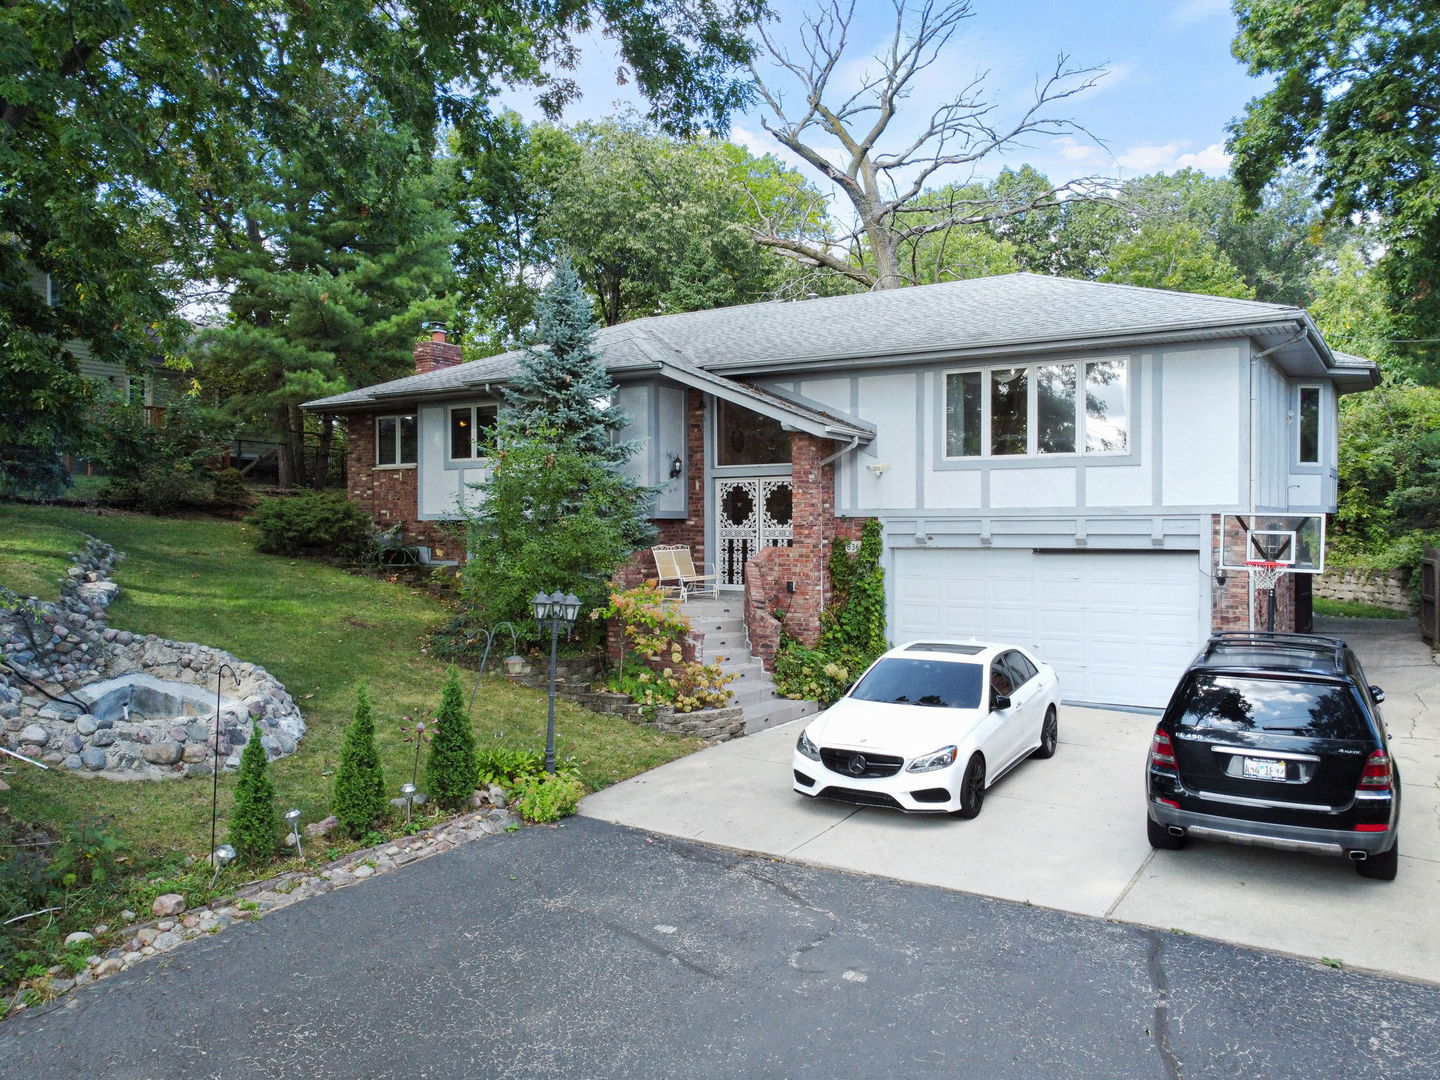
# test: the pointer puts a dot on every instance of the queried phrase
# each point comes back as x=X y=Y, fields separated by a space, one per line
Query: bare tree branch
x=883 y=186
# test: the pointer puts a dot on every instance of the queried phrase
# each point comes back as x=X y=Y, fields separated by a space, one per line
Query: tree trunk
x=327 y=438
x=285 y=453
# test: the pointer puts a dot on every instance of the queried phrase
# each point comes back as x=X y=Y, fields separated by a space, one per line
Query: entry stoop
x=719 y=626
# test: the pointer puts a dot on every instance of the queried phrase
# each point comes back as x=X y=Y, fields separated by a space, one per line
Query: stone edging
x=158 y=936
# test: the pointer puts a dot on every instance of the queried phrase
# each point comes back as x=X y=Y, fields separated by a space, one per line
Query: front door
x=753 y=514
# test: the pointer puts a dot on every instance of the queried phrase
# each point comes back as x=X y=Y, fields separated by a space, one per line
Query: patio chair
x=675 y=572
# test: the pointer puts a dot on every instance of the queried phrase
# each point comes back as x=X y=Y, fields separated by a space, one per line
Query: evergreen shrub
x=451 y=769
x=318 y=523
x=253 y=821
x=358 y=798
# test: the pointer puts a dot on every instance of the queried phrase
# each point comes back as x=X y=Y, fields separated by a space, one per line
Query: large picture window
x=395 y=440
x=1308 y=426
x=470 y=429
x=747 y=438
x=1074 y=407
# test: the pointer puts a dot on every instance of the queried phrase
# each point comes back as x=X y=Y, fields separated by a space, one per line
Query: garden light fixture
x=223 y=856
x=557 y=608
x=293 y=817
x=515 y=664
x=408 y=790
x=215 y=752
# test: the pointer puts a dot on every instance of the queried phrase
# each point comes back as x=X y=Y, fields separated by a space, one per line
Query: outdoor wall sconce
x=676 y=467
x=1220 y=577
x=293 y=817
x=878 y=471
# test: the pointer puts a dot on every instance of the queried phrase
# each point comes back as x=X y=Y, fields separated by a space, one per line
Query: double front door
x=753 y=513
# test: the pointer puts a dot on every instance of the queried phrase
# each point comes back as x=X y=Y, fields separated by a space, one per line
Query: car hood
x=904 y=730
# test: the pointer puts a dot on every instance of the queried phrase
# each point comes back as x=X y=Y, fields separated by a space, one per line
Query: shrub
x=654 y=670
x=253 y=822
x=451 y=768
x=545 y=797
x=359 y=792
x=315 y=523
x=157 y=463
x=852 y=631
x=230 y=492
x=503 y=765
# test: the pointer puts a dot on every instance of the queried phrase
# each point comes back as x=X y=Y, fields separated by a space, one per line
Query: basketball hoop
x=1265 y=575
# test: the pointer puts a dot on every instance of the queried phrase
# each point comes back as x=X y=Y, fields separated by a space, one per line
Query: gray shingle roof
x=977 y=315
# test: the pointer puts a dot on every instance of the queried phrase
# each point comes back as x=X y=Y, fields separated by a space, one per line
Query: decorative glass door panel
x=753 y=514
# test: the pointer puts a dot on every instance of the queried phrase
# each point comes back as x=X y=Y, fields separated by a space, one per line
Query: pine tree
x=451 y=768
x=564 y=389
x=253 y=823
x=359 y=792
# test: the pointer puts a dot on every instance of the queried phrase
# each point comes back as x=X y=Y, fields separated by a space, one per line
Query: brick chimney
x=436 y=353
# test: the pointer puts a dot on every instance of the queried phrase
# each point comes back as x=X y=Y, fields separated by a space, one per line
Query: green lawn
x=317 y=629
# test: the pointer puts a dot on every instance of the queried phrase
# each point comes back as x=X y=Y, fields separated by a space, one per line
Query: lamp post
x=557 y=608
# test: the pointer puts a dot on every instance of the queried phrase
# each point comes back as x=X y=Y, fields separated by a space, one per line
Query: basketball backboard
x=1295 y=541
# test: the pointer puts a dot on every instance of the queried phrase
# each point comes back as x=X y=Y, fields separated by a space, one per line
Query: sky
x=1171 y=84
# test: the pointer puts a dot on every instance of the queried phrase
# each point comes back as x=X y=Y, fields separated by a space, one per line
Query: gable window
x=747 y=438
x=1075 y=407
x=470 y=428
x=395 y=440
x=1308 y=428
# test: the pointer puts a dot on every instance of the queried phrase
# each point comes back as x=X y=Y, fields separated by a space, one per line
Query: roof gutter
x=851 y=445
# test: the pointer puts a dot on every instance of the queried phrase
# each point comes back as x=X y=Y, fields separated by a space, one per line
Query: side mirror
x=999 y=702
x=1377 y=694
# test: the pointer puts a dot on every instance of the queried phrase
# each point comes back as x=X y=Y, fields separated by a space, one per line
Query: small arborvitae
x=253 y=823
x=358 y=798
x=451 y=768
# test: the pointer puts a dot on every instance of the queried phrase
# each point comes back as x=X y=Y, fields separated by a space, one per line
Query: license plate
x=1256 y=768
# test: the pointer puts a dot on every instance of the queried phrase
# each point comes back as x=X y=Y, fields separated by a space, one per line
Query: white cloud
x=1172 y=156
x=1188 y=12
x=1081 y=153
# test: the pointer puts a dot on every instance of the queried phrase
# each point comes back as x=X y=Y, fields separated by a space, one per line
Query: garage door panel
x=1118 y=628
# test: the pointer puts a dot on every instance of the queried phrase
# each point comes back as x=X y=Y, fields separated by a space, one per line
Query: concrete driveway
x=1069 y=833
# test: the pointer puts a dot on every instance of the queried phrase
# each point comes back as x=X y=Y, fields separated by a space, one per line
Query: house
x=1050 y=458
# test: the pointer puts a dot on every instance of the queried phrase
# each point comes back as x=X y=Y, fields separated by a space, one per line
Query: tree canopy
x=1354 y=96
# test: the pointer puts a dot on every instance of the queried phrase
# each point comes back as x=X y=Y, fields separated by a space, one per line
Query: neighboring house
x=1049 y=458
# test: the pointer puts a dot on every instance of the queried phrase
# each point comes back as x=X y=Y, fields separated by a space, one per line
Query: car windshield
x=939 y=683
x=1319 y=710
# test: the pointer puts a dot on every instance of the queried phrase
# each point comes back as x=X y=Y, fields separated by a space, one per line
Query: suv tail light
x=1162 y=754
x=1377 y=774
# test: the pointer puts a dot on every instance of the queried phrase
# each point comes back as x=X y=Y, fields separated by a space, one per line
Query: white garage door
x=1119 y=627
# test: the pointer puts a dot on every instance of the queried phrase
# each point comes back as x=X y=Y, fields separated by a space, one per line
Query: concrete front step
x=722 y=622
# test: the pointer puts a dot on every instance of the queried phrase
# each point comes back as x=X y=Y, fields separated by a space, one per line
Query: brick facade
x=1232 y=601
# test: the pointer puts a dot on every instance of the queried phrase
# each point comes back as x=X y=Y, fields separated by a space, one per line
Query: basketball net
x=1265 y=575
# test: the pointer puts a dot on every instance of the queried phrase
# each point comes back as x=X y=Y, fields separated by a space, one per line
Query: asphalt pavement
x=593 y=950
x=1069 y=833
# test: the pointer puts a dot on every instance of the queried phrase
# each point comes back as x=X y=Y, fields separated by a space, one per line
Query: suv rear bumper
x=1266 y=834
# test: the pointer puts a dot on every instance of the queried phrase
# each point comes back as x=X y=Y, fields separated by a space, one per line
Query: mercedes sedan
x=930 y=727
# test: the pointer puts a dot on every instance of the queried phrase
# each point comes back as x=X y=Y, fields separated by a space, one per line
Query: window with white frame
x=470 y=430
x=1307 y=427
x=395 y=440
x=1065 y=407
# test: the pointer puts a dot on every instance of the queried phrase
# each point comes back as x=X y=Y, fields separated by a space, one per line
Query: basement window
x=395 y=440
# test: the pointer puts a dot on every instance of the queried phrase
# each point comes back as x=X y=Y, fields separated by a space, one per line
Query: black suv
x=1276 y=739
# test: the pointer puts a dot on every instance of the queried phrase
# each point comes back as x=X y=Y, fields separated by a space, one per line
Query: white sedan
x=930 y=726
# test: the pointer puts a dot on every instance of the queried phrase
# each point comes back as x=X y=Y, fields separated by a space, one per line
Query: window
x=1076 y=407
x=395 y=440
x=747 y=438
x=470 y=428
x=1309 y=426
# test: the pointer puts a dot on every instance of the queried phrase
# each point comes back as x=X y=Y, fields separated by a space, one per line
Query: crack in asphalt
x=1160 y=1025
x=795 y=897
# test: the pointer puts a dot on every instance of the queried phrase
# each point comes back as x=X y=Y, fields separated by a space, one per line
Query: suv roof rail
x=1271 y=639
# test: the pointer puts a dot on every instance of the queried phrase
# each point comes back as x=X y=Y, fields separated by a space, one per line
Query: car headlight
x=936 y=759
x=806 y=747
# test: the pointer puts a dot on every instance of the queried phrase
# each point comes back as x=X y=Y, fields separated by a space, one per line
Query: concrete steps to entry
x=719 y=625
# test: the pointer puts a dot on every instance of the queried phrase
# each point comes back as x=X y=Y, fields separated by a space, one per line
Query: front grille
x=862 y=798
x=873 y=767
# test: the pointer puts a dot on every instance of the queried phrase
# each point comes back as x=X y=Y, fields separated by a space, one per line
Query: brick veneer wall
x=1232 y=602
